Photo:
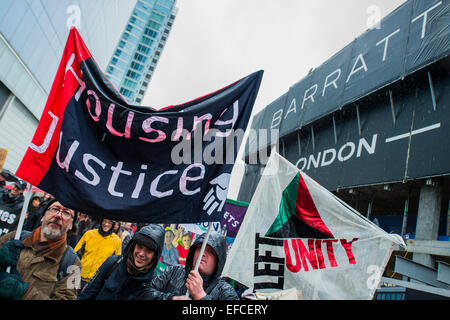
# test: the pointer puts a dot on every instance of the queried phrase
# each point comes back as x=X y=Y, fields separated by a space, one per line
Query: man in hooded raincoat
x=121 y=277
x=204 y=284
x=95 y=246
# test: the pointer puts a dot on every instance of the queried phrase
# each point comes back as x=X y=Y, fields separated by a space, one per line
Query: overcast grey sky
x=216 y=42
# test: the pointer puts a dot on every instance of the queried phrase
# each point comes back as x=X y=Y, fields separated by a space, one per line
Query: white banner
x=296 y=234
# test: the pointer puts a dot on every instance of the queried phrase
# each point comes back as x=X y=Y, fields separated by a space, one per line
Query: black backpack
x=67 y=260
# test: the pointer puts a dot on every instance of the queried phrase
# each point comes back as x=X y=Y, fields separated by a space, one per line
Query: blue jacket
x=118 y=284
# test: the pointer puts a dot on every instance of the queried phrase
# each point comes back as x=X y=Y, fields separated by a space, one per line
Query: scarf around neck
x=135 y=271
x=51 y=248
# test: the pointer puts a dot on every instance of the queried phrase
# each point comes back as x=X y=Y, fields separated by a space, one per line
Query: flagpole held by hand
x=202 y=249
x=22 y=216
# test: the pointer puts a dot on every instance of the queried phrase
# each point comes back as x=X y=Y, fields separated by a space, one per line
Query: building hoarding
x=337 y=124
x=413 y=36
x=378 y=146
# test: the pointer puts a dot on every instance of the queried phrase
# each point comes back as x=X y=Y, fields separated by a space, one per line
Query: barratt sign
x=378 y=143
x=413 y=36
x=376 y=112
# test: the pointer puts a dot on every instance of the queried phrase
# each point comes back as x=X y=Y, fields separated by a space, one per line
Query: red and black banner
x=100 y=155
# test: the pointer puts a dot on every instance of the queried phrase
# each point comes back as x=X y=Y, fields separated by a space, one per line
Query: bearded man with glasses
x=36 y=261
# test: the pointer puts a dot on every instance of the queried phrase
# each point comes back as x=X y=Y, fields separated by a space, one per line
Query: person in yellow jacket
x=95 y=246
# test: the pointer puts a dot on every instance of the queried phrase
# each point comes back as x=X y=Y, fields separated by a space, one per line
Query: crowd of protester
x=114 y=259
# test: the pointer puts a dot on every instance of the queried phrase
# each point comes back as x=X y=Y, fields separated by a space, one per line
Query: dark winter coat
x=120 y=285
x=35 y=215
x=14 y=203
x=10 y=211
x=171 y=282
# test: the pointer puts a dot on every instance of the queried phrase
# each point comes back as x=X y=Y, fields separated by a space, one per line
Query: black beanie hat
x=49 y=202
x=145 y=241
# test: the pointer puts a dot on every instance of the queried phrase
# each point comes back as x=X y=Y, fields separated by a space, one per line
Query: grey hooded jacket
x=171 y=282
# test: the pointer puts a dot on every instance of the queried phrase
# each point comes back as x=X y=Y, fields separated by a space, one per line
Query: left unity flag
x=100 y=155
x=297 y=236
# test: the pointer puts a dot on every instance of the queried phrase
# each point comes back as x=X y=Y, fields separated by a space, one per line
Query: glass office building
x=137 y=53
x=33 y=34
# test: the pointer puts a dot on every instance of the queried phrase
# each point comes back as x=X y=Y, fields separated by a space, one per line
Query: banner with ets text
x=233 y=215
